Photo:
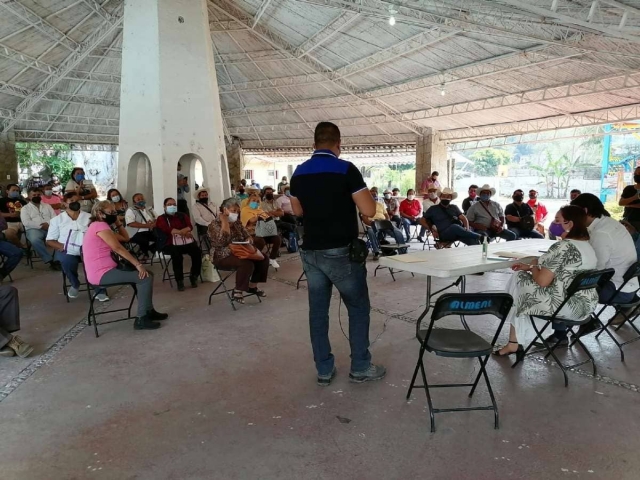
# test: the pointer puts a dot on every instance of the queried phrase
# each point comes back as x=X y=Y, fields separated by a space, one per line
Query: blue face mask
x=141 y=204
x=79 y=177
x=485 y=197
x=253 y=205
x=287 y=193
x=172 y=209
x=14 y=194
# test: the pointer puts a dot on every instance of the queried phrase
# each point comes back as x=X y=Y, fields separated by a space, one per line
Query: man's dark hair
x=518 y=190
x=575 y=190
x=592 y=204
x=73 y=172
x=13 y=185
x=35 y=189
x=472 y=186
x=395 y=189
x=166 y=200
x=69 y=195
x=435 y=173
x=575 y=214
x=410 y=190
x=326 y=134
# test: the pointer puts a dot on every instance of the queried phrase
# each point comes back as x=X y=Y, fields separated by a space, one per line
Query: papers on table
x=503 y=254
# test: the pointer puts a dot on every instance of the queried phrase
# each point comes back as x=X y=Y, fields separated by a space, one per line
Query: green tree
x=47 y=159
x=485 y=162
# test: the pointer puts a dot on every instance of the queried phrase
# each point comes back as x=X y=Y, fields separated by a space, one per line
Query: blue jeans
x=13 y=255
x=374 y=235
x=458 y=232
x=324 y=269
x=520 y=233
x=406 y=223
x=70 y=268
x=508 y=235
x=36 y=237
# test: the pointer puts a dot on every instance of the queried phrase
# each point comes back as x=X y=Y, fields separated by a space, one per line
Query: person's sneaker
x=180 y=285
x=102 y=297
x=155 y=315
x=6 y=352
x=194 y=282
x=273 y=263
x=325 y=380
x=374 y=372
x=55 y=266
x=72 y=292
x=144 y=323
x=21 y=348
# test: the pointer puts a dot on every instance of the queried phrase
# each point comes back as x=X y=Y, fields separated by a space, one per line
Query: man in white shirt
x=614 y=248
x=65 y=235
x=140 y=224
x=204 y=211
x=430 y=199
x=35 y=217
x=270 y=205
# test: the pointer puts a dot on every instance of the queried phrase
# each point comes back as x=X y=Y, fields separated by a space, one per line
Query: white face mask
x=387 y=196
x=433 y=196
x=115 y=198
x=233 y=217
x=410 y=197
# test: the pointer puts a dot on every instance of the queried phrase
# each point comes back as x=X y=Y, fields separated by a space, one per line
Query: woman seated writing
x=249 y=217
x=539 y=287
x=227 y=233
x=98 y=244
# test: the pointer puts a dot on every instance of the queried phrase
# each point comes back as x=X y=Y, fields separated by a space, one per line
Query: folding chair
x=66 y=285
x=387 y=250
x=223 y=278
x=203 y=239
x=585 y=281
x=3 y=260
x=633 y=308
x=32 y=255
x=166 y=273
x=461 y=343
x=92 y=316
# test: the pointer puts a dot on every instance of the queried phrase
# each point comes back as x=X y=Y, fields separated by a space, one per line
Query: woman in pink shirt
x=51 y=198
x=99 y=243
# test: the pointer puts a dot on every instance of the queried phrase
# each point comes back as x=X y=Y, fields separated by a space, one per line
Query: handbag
x=245 y=251
x=122 y=263
x=266 y=228
x=208 y=272
x=495 y=225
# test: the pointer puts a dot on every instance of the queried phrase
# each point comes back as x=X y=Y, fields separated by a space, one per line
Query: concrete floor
x=217 y=394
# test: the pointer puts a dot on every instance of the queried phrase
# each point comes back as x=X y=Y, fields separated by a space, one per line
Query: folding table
x=458 y=262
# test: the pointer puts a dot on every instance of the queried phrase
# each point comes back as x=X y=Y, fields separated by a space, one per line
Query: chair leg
x=555 y=357
x=91 y=312
x=426 y=389
x=475 y=383
x=483 y=370
x=415 y=372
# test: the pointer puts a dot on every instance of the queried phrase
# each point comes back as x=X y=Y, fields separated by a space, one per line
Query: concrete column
x=431 y=155
x=8 y=159
x=170 y=107
x=236 y=161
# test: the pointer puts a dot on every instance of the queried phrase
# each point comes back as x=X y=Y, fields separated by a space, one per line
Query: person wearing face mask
x=487 y=217
x=539 y=210
x=182 y=189
x=520 y=219
x=98 y=244
x=430 y=181
x=430 y=199
x=240 y=193
x=83 y=187
x=447 y=223
x=269 y=205
x=249 y=216
x=392 y=205
x=225 y=231
x=178 y=241
x=65 y=235
x=411 y=213
x=283 y=202
x=282 y=185
x=51 y=198
x=141 y=220
x=204 y=210
x=10 y=206
x=36 y=217
x=471 y=199
x=120 y=203
x=630 y=200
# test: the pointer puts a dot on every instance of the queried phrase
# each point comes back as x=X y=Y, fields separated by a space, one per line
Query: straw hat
x=448 y=191
x=487 y=187
x=200 y=190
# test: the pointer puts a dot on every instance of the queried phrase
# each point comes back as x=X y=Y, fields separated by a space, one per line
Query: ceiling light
x=392 y=12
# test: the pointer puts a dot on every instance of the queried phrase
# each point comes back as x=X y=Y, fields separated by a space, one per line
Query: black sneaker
x=374 y=372
x=325 y=380
x=56 y=266
x=194 y=282
x=376 y=255
x=180 y=286
x=155 y=315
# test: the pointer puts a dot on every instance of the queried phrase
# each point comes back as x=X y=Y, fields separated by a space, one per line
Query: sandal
x=238 y=296
x=255 y=291
x=498 y=354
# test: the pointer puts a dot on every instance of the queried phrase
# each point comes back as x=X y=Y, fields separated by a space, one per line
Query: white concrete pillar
x=431 y=155
x=169 y=103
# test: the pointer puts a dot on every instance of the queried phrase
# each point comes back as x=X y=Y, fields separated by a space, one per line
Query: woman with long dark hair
x=539 y=287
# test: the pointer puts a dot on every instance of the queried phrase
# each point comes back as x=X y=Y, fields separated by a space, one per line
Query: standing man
x=471 y=199
x=630 y=200
x=539 y=210
x=281 y=186
x=326 y=191
x=429 y=182
x=574 y=194
x=183 y=188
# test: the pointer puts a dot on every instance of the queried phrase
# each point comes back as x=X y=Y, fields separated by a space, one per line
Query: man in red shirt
x=411 y=212
x=539 y=210
x=179 y=241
